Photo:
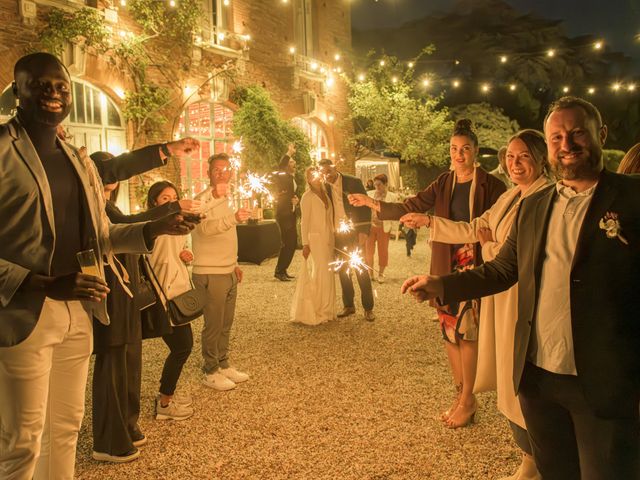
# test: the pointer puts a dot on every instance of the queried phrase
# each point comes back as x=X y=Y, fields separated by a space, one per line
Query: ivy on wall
x=164 y=43
x=265 y=133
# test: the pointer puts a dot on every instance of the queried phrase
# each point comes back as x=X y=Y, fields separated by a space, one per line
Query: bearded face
x=574 y=142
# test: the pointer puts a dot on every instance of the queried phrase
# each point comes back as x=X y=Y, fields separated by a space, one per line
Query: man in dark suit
x=286 y=203
x=339 y=186
x=574 y=251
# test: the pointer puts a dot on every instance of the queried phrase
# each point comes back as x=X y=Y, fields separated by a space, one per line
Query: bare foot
x=463 y=415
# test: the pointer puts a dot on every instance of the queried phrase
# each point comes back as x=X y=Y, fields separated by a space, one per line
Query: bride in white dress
x=314 y=301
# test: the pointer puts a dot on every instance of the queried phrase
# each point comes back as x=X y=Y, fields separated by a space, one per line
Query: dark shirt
x=66 y=196
x=459 y=209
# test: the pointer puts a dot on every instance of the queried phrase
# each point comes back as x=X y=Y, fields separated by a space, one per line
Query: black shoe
x=282 y=277
x=346 y=311
x=290 y=277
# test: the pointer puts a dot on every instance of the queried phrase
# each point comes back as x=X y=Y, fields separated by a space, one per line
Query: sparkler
x=353 y=260
x=345 y=226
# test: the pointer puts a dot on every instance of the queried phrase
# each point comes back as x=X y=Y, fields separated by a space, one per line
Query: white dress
x=314 y=301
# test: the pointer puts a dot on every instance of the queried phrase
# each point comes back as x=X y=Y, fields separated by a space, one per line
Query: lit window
x=211 y=124
x=316 y=135
x=303 y=27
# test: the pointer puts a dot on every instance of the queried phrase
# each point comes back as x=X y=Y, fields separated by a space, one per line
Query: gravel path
x=345 y=400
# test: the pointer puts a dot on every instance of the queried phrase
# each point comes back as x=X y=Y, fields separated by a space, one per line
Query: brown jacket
x=437 y=197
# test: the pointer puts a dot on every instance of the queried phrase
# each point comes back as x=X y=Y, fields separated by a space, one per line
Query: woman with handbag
x=167 y=263
x=118 y=346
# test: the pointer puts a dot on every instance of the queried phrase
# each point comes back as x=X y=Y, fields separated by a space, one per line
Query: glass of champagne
x=89 y=263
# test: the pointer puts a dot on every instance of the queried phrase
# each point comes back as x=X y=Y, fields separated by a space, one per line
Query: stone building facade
x=293 y=48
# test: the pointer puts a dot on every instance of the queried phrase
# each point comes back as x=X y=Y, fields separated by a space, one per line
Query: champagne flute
x=89 y=263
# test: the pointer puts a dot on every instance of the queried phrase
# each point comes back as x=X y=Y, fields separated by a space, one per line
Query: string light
x=631 y=87
x=337 y=57
x=394 y=80
x=172 y=3
x=503 y=59
x=123 y=3
x=426 y=82
x=597 y=45
x=551 y=52
x=292 y=50
x=225 y=3
x=314 y=66
x=565 y=89
x=331 y=118
x=616 y=86
x=382 y=63
x=456 y=83
x=591 y=90
x=512 y=87
x=485 y=87
x=361 y=77
x=410 y=64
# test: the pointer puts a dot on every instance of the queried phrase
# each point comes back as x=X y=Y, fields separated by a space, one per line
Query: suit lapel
x=28 y=153
x=541 y=226
x=603 y=197
x=89 y=189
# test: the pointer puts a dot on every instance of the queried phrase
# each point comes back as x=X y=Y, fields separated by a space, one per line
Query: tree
x=389 y=113
x=492 y=126
x=265 y=133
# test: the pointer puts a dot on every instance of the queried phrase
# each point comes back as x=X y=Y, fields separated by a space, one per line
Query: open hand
x=306 y=250
x=416 y=220
x=77 y=286
x=423 y=287
x=174 y=224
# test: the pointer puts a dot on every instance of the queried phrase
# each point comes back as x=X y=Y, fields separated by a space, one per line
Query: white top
x=315 y=216
x=165 y=260
x=338 y=205
x=552 y=341
x=215 y=241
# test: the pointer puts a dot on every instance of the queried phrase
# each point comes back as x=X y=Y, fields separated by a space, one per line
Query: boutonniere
x=611 y=225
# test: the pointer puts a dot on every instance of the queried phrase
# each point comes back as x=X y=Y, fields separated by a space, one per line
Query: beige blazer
x=27 y=231
x=499 y=312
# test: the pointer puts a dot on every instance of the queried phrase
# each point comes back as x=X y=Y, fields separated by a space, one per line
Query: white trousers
x=42 y=392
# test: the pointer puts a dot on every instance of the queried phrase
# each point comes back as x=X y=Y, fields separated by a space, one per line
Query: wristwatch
x=165 y=150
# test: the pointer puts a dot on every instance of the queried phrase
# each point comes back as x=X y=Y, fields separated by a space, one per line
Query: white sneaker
x=234 y=375
x=381 y=278
x=182 y=398
x=218 y=381
x=173 y=411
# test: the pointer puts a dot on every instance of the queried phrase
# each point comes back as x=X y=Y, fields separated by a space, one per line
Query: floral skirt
x=460 y=321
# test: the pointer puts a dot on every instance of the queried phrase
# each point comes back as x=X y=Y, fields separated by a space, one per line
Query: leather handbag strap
x=148 y=263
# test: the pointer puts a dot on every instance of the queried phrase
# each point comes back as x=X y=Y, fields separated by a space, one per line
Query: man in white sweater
x=215 y=270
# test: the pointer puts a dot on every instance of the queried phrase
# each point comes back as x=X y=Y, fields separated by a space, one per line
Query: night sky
x=617 y=21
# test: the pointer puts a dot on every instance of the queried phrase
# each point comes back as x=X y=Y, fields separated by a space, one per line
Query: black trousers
x=116 y=398
x=180 y=343
x=289 y=237
x=568 y=440
x=350 y=242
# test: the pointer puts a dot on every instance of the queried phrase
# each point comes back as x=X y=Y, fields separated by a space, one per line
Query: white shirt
x=338 y=205
x=215 y=241
x=551 y=346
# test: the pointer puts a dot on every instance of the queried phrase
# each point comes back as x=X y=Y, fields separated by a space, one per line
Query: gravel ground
x=344 y=400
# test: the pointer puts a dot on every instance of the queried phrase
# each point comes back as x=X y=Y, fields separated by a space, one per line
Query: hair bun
x=464 y=124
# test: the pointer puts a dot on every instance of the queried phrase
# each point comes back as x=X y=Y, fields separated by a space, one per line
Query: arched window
x=94 y=121
x=211 y=124
x=317 y=137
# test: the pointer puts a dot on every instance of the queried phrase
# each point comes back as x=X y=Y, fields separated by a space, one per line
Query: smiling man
x=574 y=251
x=51 y=208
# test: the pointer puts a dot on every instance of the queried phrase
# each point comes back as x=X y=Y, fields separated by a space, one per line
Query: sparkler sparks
x=254 y=184
x=345 y=226
x=353 y=261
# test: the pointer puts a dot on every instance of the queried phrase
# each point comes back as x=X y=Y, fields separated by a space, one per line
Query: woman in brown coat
x=461 y=194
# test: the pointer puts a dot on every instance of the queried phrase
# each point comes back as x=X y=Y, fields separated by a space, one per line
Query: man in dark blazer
x=286 y=204
x=339 y=186
x=575 y=252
